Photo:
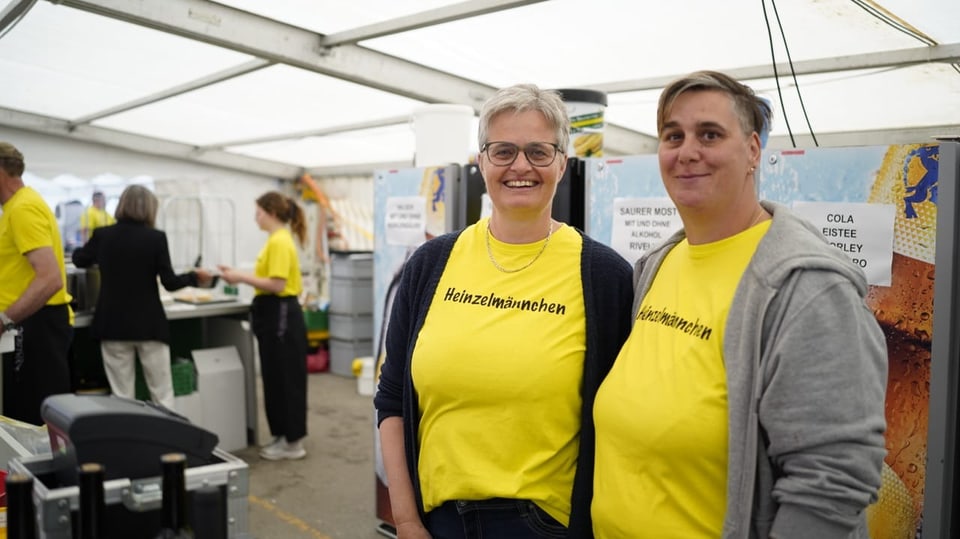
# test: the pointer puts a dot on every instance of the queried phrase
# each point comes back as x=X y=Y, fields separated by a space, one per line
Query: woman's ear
x=563 y=165
x=755 y=149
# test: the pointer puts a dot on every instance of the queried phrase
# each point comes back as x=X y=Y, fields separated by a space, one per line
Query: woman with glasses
x=498 y=339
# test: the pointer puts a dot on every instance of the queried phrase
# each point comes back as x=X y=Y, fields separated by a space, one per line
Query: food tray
x=205 y=300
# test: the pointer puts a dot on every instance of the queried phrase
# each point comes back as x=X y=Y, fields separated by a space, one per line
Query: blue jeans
x=496 y=518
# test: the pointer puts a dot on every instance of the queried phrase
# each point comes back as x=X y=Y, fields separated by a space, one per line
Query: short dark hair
x=11 y=160
x=753 y=113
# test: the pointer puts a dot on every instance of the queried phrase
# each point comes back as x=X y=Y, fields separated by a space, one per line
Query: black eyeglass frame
x=556 y=147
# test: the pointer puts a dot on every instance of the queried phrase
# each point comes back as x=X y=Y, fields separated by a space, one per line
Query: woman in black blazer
x=129 y=319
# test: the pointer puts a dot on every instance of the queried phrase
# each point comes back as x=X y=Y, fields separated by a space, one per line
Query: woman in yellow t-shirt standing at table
x=278 y=324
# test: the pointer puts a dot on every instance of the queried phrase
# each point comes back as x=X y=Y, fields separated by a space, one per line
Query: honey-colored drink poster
x=906 y=178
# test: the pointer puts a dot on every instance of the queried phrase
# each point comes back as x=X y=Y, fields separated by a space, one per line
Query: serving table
x=193 y=326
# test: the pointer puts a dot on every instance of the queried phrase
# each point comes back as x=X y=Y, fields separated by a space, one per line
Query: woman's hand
x=204 y=277
x=412 y=530
x=228 y=274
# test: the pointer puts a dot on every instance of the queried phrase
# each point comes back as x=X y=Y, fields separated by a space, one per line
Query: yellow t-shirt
x=278 y=259
x=94 y=218
x=661 y=413
x=497 y=367
x=27 y=223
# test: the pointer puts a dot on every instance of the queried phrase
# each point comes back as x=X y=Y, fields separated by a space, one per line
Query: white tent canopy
x=327 y=87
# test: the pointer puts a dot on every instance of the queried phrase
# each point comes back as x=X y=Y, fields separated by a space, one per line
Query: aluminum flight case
x=133 y=506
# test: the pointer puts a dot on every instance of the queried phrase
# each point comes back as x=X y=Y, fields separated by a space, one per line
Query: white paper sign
x=406 y=220
x=641 y=223
x=863 y=231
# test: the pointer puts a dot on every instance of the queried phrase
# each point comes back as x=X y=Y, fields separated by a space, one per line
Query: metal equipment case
x=133 y=506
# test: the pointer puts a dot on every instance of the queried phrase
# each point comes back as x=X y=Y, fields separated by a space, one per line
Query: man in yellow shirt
x=34 y=301
x=95 y=216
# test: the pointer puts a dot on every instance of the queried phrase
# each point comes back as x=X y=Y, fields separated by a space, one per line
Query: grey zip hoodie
x=806 y=365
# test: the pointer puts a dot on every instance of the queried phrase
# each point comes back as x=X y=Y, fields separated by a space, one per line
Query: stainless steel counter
x=179 y=311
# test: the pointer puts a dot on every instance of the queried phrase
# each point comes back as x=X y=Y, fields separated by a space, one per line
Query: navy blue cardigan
x=607 y=296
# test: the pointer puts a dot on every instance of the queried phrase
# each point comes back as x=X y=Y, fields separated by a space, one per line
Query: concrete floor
x=330 y=494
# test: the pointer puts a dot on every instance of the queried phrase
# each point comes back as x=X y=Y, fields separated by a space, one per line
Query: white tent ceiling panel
x=870 y=99
x=936 y=18
x=67 y=63
x=331 y=16
x=391 y=144
x=247 y=82
x=889 y=98
x=576 y=43
x=267 y=102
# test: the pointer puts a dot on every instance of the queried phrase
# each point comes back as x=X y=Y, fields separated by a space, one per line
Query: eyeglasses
x=538 y=154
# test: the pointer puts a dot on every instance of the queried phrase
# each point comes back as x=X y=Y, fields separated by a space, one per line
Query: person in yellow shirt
x=748 y=400
x=499 y=336
x=277 y=320
x=33 y=297
x=95 y=216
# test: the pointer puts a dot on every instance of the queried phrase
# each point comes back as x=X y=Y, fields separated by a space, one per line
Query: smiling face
x=706 y=158
x=520 y=190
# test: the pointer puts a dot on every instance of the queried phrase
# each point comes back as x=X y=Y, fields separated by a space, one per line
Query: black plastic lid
x=583 y=96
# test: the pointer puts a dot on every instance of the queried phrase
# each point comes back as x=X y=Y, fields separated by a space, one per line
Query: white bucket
x=365 y=377
x=443 y=134
x=585 y=109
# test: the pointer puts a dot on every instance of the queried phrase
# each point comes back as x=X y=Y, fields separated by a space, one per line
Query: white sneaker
x=284 y=450
x=277 y=440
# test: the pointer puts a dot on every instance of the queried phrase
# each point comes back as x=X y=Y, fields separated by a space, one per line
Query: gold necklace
x=523 y=267
x=756 y=218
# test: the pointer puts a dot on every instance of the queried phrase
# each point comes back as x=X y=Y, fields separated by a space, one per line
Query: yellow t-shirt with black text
x=661 y=413
x=497 y=369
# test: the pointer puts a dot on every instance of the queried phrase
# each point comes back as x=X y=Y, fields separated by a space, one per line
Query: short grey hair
x=523 y=98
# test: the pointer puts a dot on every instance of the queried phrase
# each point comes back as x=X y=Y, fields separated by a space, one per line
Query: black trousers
x=499 y=518
x=40 y=365
x=282 y=341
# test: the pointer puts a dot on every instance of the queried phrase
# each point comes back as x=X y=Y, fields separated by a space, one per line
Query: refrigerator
x=568 y=202
x=893 y=211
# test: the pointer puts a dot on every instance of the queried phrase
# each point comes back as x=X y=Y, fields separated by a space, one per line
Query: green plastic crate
x=184 y=376
x=316 y=320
